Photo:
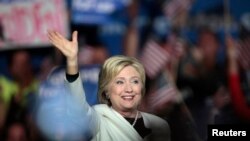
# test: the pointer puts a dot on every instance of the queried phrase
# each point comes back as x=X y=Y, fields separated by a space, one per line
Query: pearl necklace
x=136 y=117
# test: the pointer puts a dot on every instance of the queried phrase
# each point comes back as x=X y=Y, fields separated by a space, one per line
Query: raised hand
x=231 y=47
x=232 y=54
x=67 y=47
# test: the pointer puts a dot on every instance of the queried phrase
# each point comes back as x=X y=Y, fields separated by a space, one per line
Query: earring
x=107 y=96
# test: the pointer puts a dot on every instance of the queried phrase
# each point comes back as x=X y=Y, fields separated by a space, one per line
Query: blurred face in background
x=100 y=55
x=20 y=66
x=208 y=44
x=16 y=132
x=92 y=55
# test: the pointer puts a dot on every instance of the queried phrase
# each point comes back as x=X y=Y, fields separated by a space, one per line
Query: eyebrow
x=131 y=77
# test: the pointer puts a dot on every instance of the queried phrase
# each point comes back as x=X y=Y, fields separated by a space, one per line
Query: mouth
x=128 y=97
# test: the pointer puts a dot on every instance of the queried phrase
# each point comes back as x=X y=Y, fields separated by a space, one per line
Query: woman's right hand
x=67 y=47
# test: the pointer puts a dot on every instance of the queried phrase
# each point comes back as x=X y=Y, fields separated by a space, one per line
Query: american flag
x=154 y=58
x=163 y=96
x=174 y=8
x=244 y=54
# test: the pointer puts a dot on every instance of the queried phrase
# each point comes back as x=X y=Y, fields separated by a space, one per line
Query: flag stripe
x=175 y=7
x=163 y=95
x=244 y=51
x=154 y=58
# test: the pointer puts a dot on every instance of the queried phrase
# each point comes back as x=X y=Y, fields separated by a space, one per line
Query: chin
x=129 y=107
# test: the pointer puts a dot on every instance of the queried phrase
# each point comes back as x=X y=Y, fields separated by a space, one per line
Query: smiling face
x=121 y=83
x=125 y=90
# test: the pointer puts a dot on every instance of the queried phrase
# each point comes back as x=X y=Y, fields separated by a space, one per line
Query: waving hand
x=67 y=47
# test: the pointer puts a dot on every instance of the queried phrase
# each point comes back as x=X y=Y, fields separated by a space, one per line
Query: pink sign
x=25 y=24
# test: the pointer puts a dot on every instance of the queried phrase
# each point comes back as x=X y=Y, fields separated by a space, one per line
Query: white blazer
x=109 y=125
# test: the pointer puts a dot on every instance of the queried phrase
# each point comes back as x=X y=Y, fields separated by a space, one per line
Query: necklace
x=136 y=117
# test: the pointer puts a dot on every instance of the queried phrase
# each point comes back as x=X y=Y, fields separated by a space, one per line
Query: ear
x=107 y=95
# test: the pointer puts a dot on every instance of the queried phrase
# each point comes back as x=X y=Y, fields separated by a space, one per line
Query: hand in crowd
x=232 y=54
x=231 y=47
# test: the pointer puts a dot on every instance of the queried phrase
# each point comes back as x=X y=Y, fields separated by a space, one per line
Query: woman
x=121 y=87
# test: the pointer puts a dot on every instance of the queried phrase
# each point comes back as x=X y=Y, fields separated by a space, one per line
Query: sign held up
x=25 y=23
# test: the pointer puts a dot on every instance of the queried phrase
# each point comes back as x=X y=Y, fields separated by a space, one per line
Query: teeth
x=127 y=97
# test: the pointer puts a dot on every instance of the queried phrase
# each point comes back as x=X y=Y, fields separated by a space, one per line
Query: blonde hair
x=112 y=68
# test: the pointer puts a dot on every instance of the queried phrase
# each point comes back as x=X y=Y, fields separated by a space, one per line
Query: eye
x=119 y=82
x=136 y=81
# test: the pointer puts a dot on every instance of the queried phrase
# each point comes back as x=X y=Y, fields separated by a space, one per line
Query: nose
x=128 y=88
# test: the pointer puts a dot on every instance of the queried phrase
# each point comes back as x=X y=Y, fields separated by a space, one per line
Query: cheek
x=139 y=99
x=138 y=90
x=115 y=90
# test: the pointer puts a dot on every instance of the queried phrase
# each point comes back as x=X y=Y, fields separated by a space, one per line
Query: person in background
x=23 y=83
x=238 y=96
x=46 y=66
x=231 y=104
x=90 y=55
x=16 y=131
x=204 y=76
x=121 y=87
x=131 y=38
x=5 y=89
x=21 y=90
x=166 y=100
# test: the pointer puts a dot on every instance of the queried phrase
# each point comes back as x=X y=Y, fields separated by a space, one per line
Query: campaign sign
x=24 y=23
x=89 y=75
x=95 y=11
x=58 y=112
